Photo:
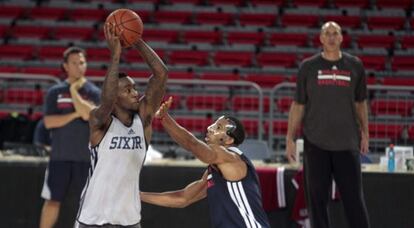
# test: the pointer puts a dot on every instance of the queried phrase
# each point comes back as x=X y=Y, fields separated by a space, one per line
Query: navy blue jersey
x=70 y=142
x=235 y=204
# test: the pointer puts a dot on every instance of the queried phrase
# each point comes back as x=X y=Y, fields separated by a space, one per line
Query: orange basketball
x=128 y=21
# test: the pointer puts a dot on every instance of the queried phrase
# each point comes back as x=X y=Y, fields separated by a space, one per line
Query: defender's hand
x=163 y=110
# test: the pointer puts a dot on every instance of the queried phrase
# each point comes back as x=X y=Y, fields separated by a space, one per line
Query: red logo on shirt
x=334 y=77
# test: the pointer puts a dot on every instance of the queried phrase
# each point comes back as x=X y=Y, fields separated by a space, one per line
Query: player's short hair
x=330 y=23
x=72 y=50
x=236 y=130
x=122 y=75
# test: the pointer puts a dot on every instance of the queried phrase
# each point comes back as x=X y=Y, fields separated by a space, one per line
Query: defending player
x=230 y=182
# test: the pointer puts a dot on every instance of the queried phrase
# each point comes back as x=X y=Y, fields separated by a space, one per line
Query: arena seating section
x=260 y=41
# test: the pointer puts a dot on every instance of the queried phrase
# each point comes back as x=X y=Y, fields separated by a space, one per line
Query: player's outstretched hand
x=112 y=39
x=163 y=110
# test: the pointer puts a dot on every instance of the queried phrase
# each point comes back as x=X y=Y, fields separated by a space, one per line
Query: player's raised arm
x=101 y=115
x=180 y=198
x=156 y=86
x=206 y=152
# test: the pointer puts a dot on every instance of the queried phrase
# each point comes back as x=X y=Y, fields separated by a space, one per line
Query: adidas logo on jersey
x=131 y=132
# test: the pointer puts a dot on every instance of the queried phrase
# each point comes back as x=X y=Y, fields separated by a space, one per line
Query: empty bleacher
x=258 y=41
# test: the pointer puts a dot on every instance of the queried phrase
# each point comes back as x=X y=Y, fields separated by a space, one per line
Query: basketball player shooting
x=230 y=182
x=120 y=134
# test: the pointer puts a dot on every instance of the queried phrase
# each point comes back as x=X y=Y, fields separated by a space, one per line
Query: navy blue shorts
x=62 y=175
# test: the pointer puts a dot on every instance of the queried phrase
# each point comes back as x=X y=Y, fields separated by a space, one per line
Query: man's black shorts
x=62 y=175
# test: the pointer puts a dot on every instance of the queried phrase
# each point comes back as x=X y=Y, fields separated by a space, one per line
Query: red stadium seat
x=264 y=3
x=169 y=36
x=375 y=41
x=11 y=11
x=267 y=81
x=23 y=96
x=51 y=52
x=255 y=38
x=3 y=29
x=139 y=73
x=283 y=104
x=81 y=33
x=411 y=132
x=140 y=1
x=132 y=56
x=3 y=114
x=226 y=2
x=194 y=2
x=389 y=131
x=194 y=124
x=299 y=20
x=220 y=76
x=212 y=37
x=269 y=59
x=412 y=23
x=257 y=19
x=54 y=71
x=345 y=21
x=317 y=3
x=402 y=63
x=401 y=4
x=373 y=81
x=382 y=22
x=249 y=103
x=407 y=42
x=30 y=32
x=233 y=58
x=8 y=69
x=373 y=62
x=214 y=18
x=279 y=127
x=88 y=14
x=206 y=102
x=391 y=81
x=98 y=54
x=199 y=58
x=290 y=39
x=144 y=15
x=96 y=72
x=47 y=13
x=251 y=126
x=179 y=17
x=392 y=107
x=181 y=75
x=351 y=3
x=11 y=51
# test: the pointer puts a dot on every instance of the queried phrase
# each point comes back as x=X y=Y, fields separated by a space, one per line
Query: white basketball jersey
x=111 y=194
